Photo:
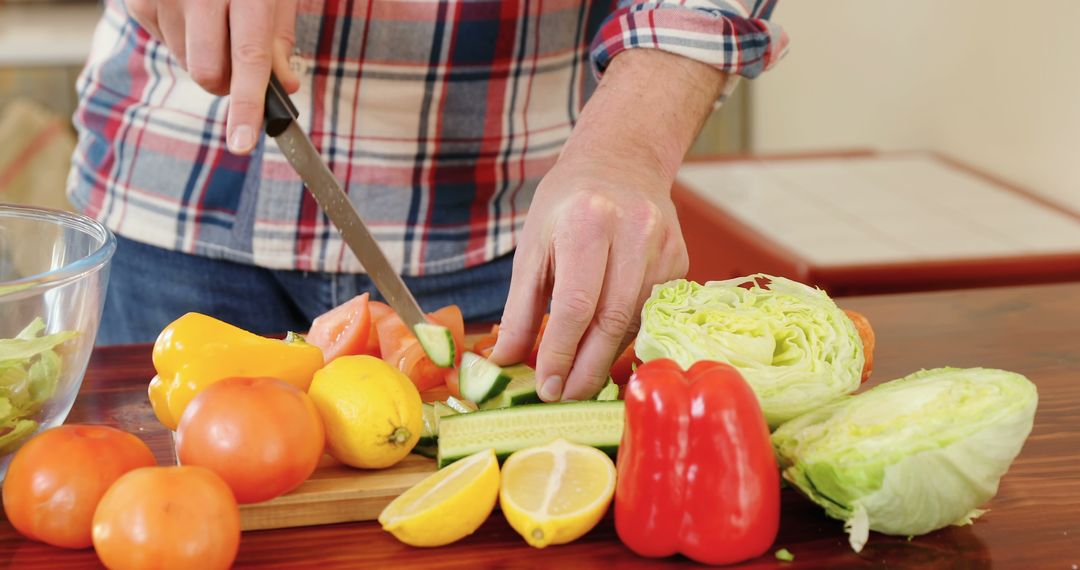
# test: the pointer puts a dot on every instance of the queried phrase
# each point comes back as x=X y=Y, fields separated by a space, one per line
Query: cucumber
x=441 y=411
x=430 y=429
x=520 y=391
x=480 y=379
x=429 y=434
x=431 y=451
x=437 y=342
x=460 y=406
x=506 y=430
x=609 y=392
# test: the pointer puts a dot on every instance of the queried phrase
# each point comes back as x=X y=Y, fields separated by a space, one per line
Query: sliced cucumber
x=431 y=451
x=520 y=391
x=460 y=406
x=441 y=411
x=430 y=429
x=597 y=424
x=432 y=413
x=437 y=342
x=609 y=392
x=480 y=379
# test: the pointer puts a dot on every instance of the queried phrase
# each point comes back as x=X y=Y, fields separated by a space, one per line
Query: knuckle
x=251 y=54
x=593 y=205
x=209 y=76
x=240 y=105
x=646 y=216
x=560 y=355
x=615 y=320
x=574 y=305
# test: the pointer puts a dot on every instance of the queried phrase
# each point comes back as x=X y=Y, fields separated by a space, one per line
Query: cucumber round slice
x=437 y=342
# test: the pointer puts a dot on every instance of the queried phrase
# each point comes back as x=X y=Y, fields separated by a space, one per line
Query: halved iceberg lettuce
x=912 y=455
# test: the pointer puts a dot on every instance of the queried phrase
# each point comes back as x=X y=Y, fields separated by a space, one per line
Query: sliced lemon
x=556 y=493
x=446 y=506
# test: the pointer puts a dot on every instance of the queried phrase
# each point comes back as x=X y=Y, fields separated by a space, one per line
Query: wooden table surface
x=1034 y=521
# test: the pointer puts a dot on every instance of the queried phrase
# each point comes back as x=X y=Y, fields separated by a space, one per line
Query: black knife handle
x=279 y=110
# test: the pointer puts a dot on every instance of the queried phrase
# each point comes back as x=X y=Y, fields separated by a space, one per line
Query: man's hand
x=228 y=47
x=602 y=229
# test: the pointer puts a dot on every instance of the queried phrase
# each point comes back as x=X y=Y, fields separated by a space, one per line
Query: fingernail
x=242 y=139
x=551 y=391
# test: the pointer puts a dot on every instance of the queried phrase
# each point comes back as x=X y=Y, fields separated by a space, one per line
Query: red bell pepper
x=697 y=474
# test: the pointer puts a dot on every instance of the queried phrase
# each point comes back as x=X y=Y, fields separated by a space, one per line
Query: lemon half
x=446 y=506
x=556 y=493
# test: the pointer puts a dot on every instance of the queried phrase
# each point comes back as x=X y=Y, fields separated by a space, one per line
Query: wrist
x=645 y=113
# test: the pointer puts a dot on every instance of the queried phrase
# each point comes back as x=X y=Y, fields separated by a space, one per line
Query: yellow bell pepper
x=196 y=350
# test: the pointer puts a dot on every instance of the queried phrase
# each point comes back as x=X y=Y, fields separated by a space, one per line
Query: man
x=459 y=131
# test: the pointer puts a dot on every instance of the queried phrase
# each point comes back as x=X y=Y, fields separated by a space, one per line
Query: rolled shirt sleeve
x=734 y=36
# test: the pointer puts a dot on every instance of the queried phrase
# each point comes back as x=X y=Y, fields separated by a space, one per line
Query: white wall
x=993 y=83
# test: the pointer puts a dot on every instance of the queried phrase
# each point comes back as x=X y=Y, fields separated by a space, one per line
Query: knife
x=280 y=123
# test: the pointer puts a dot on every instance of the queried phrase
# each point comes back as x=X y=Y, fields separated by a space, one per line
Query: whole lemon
x=372 y=412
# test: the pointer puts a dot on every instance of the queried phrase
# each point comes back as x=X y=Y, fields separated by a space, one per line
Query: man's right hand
x=229 y=48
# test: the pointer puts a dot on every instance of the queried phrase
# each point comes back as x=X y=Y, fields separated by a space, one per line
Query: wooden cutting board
x=336 y=493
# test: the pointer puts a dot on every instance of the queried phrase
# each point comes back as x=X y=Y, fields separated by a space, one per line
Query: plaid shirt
x=438 y=117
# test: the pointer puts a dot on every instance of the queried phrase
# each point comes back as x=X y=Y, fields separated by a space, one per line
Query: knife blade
x=280 y=123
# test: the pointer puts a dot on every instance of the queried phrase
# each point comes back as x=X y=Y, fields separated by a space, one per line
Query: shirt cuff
x=720 y=33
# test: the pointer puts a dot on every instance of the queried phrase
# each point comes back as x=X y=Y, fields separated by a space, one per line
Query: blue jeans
x=150 y=287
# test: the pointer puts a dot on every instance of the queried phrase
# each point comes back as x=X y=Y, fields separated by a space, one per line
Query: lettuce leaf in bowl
x=30 y=370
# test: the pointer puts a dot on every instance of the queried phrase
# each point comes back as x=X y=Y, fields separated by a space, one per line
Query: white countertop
x=32 y=35
x=882 y=209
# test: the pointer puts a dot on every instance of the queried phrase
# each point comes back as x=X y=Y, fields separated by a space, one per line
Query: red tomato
x=55 y=481
x=342 y=330
x=167 y=517
x=378 y=311
x=624 y=366
x=262 y=436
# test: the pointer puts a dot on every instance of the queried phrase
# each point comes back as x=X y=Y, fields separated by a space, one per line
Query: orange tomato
x=536 y=345
x=866 y=334
x=486 y=344
x=378 y=311
x=55 y=481
x=343 y=329
x=262 y=436
x=399 y=347
x=167 y=517
x=450 y=317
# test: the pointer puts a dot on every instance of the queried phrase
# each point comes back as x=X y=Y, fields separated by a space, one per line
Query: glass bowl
x=54 y=269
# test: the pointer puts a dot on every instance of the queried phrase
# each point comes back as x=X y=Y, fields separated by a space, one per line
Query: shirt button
x=299 y=65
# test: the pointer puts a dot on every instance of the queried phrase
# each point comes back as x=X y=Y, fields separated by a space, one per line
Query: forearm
x=646 y=111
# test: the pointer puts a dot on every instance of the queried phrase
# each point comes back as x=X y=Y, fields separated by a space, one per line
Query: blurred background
x=900 y=145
